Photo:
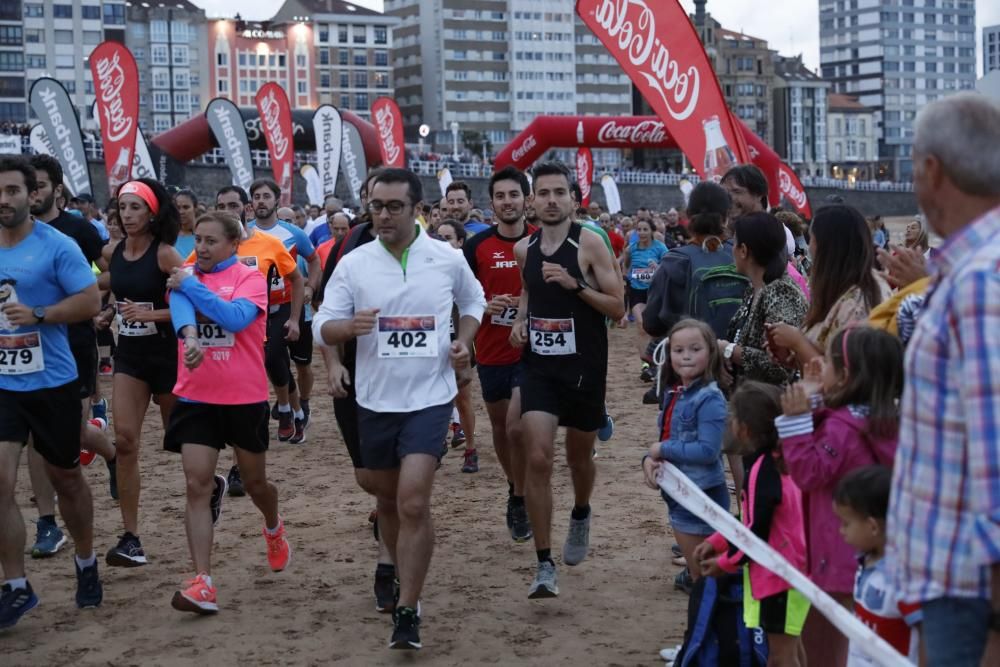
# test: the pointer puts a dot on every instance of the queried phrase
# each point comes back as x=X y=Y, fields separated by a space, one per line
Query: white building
x=991 y=48
x=800 y=116
x=852 y=139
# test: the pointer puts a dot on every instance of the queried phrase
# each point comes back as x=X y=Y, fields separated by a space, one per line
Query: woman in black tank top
x=146 y=356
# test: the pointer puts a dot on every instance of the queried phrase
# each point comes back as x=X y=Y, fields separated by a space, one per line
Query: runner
x=145 y=360
x=639 y=262
x=285 y=327
x=45 y=283
x=187 y=206
x=458 y=206
x=396 y=298
x=491 y=257
x=339 y=225
x=570 y=285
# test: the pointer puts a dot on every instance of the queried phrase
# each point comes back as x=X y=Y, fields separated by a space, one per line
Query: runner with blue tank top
x=639 y=262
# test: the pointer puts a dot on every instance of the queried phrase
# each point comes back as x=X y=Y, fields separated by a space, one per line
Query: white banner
x=329 y=133
x=677 y=485
x=314 y=186
x=444 y=180
x=10 y=144
x=611 y=196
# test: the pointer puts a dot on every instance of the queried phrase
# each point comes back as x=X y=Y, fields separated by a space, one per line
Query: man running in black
x=570 y=286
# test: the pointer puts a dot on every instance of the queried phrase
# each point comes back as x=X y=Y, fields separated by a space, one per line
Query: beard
x=44 y=206
x=268 y=212
x=17 y=216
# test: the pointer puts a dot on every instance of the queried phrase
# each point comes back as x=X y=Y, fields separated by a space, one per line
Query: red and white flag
x=781 y=180
x=584 y=173
x=116 y=87
x=276 y=121
x=389 y=127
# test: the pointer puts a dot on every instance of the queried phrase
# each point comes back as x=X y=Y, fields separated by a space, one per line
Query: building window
x=11 y=61
x=161 y=78
x=160 y=124
x=158 y=31
x=360 y=79
x=221 y=59
x=324 y=80
x=114 y=14
x=381 y=59
x=91 y=12
x=181 y=81
x=222 y=86
x=161 y=101
x=34 y=10
x=69 y=85
x=381 y=80
x=381 y=35
x=360 y=34
x=179 y=31
x=324 y=56
x=300 y=60
x=345 y=80
x=345 y=101
x=62 y=11
x=361 y=101
x=36 y=61
x=64 y=36
x=342 y=34
x=343 y=57
x=14 y=111
x=301 y=87
x=360 y=59
x=30 y=36
x=324 y=33
x=180 y=54
x=92 y=37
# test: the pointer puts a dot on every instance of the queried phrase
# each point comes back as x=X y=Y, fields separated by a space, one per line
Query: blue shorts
x=684 y=521
x=388 y=437
x=498 y=382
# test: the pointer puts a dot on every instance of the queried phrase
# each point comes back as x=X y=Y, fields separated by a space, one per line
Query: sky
x=790 y=26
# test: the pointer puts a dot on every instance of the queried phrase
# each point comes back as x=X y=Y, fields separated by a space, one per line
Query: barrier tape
x=677 y=485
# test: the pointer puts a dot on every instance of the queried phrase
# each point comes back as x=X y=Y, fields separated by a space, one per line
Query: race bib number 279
x=21 y=354
x=407 y=336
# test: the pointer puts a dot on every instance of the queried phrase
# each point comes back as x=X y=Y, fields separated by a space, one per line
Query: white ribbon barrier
x=677 y=485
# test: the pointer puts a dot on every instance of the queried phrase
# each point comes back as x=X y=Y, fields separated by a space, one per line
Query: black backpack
x=716 y=634
x=714 y=288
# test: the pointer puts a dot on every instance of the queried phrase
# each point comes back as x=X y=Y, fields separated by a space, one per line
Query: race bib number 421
x=21 y=354
x=407 y=336
x=551 y=337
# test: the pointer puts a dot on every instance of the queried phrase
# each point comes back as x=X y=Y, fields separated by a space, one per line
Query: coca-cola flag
x=584 y=174
x=116 y=87
x=227 y=126
x=389 y=126
x=276 y=121
x=327 y=128
x=781 y=180
x=658 y=47
x=51 y=103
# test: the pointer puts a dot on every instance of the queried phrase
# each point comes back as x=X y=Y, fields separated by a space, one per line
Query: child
x=771 y=507
x=691 y=426
x=860 y=381
x=861 y=500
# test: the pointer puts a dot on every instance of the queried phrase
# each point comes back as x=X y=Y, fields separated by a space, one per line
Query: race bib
x=407 y=336
x=136 y=328
x=552 y=337
x=277 y=283
x=506 y=318
x=249 y=260
x=643 y=275
x=21 y=354
x=213 y=335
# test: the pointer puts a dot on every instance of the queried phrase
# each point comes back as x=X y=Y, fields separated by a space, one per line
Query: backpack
x=716 y=634
x=714 y=288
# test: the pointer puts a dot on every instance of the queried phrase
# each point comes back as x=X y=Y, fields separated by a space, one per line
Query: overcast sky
x=790 y=26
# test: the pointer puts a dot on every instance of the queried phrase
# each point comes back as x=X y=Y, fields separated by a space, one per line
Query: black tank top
x=567 y=338
x=142 y=281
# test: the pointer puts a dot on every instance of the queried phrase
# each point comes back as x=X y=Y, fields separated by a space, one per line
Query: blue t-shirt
x=185 y=245
x=43 y=269
x=321 y=234
x=304 y=270
x=293 y=238
x=644 y=262
x=473 y=227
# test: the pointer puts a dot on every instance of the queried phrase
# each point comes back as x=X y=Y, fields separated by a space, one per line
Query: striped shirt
x=944 y=513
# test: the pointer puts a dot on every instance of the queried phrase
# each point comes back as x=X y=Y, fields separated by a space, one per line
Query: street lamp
x=454 y=140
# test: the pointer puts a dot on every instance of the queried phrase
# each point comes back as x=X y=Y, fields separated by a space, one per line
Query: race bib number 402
x=552 y=337
x=407 y=336
x=21 y=354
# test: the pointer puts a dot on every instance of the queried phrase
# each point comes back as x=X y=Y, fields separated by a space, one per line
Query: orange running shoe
x=279 y=551
x=199 y=596
x=86 y=456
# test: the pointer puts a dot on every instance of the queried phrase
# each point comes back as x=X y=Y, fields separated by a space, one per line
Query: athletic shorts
x=240 y=426
x=781 y=614
x=50 y=416
x=684 y=521
x=276 y=361
x=301 y=351
x=637 y=296
x=388 y=437
x=86 y=368
x=157 y=371
x=581 y=408
x=498 y=382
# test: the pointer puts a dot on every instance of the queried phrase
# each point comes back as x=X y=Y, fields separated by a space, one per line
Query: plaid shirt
x=944 y=513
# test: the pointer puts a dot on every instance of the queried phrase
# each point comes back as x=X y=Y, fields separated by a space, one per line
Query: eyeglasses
x=395 y=207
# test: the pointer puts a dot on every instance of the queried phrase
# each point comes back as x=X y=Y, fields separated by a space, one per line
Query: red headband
x=143 y=192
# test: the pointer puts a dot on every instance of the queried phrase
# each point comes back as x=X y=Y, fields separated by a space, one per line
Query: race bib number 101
x=407 y=336
x=552 y=337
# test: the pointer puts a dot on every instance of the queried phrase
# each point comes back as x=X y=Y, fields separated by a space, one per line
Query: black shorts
x=578 y=405
x=301 y=351
x=498 y=382
x=159 y=371
x=86 y=368
x=637 y=296
x=276 y=360
x=388 y=437
x=345 y=411
x=240 y=426
x=50 y=416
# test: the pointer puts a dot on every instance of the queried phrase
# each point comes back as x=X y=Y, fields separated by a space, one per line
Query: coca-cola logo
x=790 y=190
x=523 y=149
x=270 y=112
x=384 y=120
x=111 y=80
x=631 y=26
x=583 y=174
x=645 y=132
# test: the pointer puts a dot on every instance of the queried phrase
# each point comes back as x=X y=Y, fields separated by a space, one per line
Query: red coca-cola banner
x=658 y=47
x=276 y=122
x=389 y=126
x=584 y=173
x=781 y=180
x=116 y=87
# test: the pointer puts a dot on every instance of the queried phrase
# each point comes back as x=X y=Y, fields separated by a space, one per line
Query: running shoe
x=300 y=432
x=218 y=493
x=457 y=436
x=86 y=456
x=406 y=629
x=648 y=373
x=683 y=581
x=545 y=584
x=675 y=549
x=89 y=592
x=577 y=541
x=15 y=603
x=99 y=410
x=127 y=553
x=650 y=397
x=279 y=551
x=286 y=426
x=510 y=511
x=607 y=429
x=274 y=411
x=471 y=461
x=199 y=597
x=305 y=411
x=105 y=368
x=520 y=528
x=235 y=483
x=113 y=477
x=385 y=588
x=48 y=539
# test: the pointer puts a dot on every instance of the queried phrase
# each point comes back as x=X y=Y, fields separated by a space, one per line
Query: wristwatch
x=39 y=313
x=727 y=354
x=580 y=286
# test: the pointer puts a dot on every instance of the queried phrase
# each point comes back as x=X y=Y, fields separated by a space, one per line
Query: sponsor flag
x=276 y=122
x=389 y=126
x=142 y=163
x=444 y=180
x=116 y=87
x=781 y=180
x=314 y=186
x=584 y=173
x=226 y=123
x=658 y=47
x=353 y=163
x=611 y=196
x=61 y=128
x=328 y=130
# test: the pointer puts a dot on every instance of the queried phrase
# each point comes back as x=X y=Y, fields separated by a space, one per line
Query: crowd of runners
x=772 y=345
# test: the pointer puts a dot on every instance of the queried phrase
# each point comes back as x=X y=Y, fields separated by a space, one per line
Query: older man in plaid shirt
x=944 y=517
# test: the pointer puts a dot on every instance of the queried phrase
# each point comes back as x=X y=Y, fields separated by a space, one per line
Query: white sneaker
x=670 y=654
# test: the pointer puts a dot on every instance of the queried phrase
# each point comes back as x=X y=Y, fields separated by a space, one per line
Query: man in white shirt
x=396 y=298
